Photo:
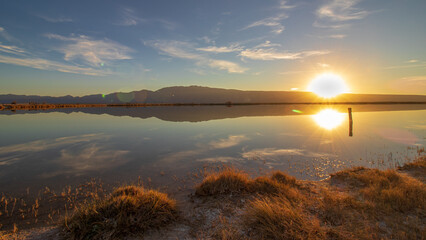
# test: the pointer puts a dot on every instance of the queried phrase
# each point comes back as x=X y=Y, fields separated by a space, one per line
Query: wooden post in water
x=351 y=124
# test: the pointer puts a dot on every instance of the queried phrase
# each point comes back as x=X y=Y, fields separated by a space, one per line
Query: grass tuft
x=388 y=190
x=283 y=178
x=418 y=164
x=229 y=180
x=128 y=210
x=276 y=218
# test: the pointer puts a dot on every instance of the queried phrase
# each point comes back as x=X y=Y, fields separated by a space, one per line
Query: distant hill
x=196 y=94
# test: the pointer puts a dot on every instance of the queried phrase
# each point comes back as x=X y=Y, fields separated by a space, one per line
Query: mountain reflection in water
x=66 y=146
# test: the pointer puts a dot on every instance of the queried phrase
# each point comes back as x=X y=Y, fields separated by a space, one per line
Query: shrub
x=128 y=210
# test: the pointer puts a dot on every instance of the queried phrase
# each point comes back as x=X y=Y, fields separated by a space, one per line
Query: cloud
x=43 y=64
x=220 y=159
x=231 y=67
x=283 y=5
x=92 y=52
x=323 y=65
x=337 y=36
x=4 y=34
x=177 y=49
x=214 y=49
x=419 y=65
x=11 y=49
x=341 y=10
x=207 y=40
x=42 y=145
x=331 y=25
x=268 y=153
x=273 y=54
x=130 y=18
x=413 y=61
x=182 y=155
x=197 y=71
x=185 y=50
x=413 y=84
x=268 y=44
x=273 y=22
x=90 y=158
x=55 y=20
x=230 y=141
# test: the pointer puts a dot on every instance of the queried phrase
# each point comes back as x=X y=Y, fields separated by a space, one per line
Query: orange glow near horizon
x=328 y=85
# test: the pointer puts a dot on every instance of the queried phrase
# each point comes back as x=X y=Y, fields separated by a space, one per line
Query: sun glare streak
x=329 y=118
x=328 y=85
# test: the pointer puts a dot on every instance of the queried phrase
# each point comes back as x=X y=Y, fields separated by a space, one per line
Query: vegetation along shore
x=226 y=203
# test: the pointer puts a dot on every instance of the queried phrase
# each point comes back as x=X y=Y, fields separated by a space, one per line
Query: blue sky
x=82 y=47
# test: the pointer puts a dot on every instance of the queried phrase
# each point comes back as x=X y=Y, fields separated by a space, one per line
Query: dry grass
x=372 y=204
x=277 y=218
x=386 y=189
x=44 y=207
x=128 y=210
x=418 y=164
x=230 y=180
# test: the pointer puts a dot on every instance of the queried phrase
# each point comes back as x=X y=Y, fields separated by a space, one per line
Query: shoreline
x=35 y=106
x=212 y=214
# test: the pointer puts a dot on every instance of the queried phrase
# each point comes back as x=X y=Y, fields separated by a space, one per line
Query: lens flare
x=329 y=118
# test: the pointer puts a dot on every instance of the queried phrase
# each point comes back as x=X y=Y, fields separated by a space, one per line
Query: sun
x=328 y=85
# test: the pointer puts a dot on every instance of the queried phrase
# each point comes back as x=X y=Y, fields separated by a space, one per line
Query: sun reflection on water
x=329 y=118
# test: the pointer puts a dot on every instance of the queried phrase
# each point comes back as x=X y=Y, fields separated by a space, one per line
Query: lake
x=69 y=146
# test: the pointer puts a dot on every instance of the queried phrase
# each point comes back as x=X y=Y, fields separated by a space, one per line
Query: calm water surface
x=70 y=146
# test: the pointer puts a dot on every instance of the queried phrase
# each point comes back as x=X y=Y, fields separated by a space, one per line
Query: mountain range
x=206 y=95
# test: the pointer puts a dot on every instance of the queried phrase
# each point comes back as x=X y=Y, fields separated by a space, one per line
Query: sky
x=84 y=47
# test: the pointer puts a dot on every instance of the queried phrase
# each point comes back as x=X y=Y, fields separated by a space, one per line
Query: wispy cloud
x=413 y=61
x=55 y=19
x=45 y=64
x=341 y=10
x=221 y=159
x=229 y=66
x=41 y=145
x=11 y=49
x=268 y=44
x=89 y=158
x=284 y=5
x=273 y=22
x=273 y=54
x=130 y=18
x=90 y=51
x=4 y=34
x=412 y=84
x=230 y=141
x=337 y=36
x=411 y=65
x=332 y=26
x=186 y=50
x=263 y=153
x=214 y=49
x=177 y=49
